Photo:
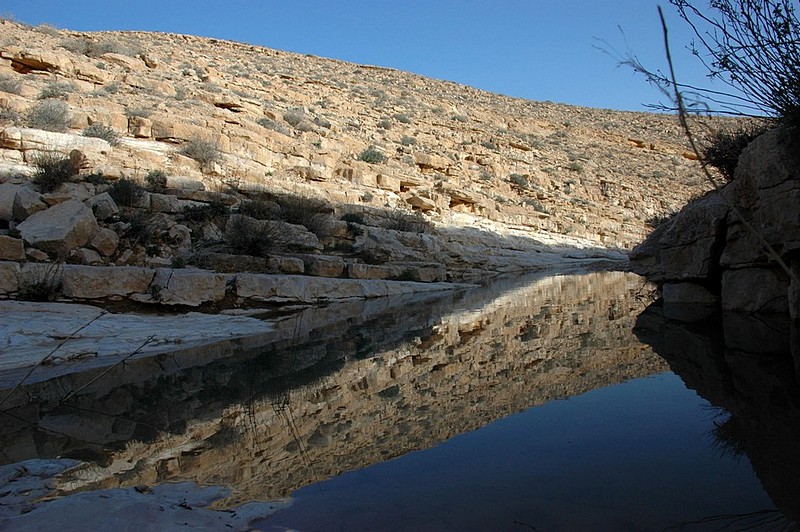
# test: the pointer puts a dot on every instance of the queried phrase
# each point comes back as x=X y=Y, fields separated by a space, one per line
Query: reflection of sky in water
x=637 y=455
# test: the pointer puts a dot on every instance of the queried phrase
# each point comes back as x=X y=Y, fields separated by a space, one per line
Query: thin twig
x=51 y=353
x=687 y=130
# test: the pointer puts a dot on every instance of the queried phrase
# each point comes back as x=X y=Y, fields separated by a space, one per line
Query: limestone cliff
x=500 y=178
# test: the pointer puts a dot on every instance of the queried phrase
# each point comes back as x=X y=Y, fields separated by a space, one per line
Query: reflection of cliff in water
x=744 y=365
x=350 y=391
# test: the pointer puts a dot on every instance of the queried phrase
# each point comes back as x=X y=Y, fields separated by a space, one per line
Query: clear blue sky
x=535 y=49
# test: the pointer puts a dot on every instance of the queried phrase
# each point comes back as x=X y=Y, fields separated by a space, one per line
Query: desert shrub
x=519 y=180
x=273 y=125
x=156 y=181
x=51 y=171
x=10 y=84
x=7 y=114
x=96 y=179
x=353 y=218
x=215 y=210
x=371 y=156
x=138 y=112
x=260 y=209
x=49 y=115
x=56 y=89
x=402 y=118
x=752 y=46
x=408 y=141
x=489 y=145
x=322 y=122
x=385 y=123
x=294 y=117
x=724 y=147
x=204 y=151
x=125 y=191
x=101 y=131
x=96 y=48
x=248 y=236
x=142 y=227
x=405 y=222
x=575 y=166
x=312 y=213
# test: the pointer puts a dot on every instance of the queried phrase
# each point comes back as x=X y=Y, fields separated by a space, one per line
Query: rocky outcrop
x=706 y=254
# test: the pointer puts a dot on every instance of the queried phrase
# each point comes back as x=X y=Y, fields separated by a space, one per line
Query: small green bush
x=402 y=118
x=408 y=141
x=371 y=156
x=138 y=112
x=10 y=84
x=101 y=131
x=8 y=114
x=205 y=152
x=312 y=213
x=43 y=284
x=125 y=191
x=49 y=115
x=156 y=181
x=51 y=171
x=142 y=228
x=260 y=209
x=353 y=218
x=725 y=147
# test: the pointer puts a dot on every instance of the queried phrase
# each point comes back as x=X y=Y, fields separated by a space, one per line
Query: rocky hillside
x=208 y=126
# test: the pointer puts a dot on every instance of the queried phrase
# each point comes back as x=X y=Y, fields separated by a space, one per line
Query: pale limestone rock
x=54 y=198
x=11 y=138
x=140 y=127
x=103 y=206
x=28 y=60
x=369 y=271
x=387 y=182
x=36 y=255
x=185 y=184
x=105 y=241
x=9 y=277
x=80 y=191
x=287 y=265
x=422 y=203
x=86 y=256
x=35 y=141
x=427 y=161
x=8 y=192
x=66 y=226
x=11 y=248
x=128 y=63
x=188 y=287
x=323 y=266
x=27 y=202
x=170 y=204
x=87 y=282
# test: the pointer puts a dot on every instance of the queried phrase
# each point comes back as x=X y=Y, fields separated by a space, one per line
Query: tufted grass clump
x=125 y=191
x=57 y=89
x=102 y=131
x=52 y=170
x=204 y=151
x=248 y=236
x=49 y=115
x=399 y=220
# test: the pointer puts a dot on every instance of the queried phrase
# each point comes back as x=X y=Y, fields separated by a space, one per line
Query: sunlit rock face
x=340 y=394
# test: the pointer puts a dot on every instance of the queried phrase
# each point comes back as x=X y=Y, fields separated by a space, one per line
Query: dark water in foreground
x=547 y=403
x=641 y=455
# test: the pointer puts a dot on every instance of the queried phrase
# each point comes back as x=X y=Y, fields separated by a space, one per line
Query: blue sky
x=535 y=49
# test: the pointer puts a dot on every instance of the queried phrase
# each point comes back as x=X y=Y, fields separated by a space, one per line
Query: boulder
x=103 y=206
x=66 y=226
x=26 y=202
x=105 y=241
x=11 y=248
x=89 y=282
x=187 y=287
x=755 y=290
x=8 y=191
x=9 y=277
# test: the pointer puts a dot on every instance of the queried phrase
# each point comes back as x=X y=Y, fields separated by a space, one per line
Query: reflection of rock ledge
x=742 y=364
x=406 y=381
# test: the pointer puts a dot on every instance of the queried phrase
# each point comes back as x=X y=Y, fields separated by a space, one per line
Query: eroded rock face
x=708 y=245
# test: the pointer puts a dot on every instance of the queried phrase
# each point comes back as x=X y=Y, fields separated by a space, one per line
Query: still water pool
x=642 y=455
